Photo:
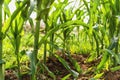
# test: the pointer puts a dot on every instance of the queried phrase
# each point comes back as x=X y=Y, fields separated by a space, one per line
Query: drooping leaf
x=103 y=61
x=65 y=64
x=49 y=72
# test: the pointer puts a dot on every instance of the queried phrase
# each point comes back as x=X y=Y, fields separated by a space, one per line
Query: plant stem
x=18 y=62
x=35 y=52
x=97 y=43
x=45 y=43
x=1 y=39
x=45 y=50
x=36 y=40
x=51 y=46
x=17 y=45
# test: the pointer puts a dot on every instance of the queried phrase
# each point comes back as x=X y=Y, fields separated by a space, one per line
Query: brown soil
x=60 y=71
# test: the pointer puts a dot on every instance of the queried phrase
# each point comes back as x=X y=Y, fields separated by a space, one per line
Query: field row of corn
x=73 y=26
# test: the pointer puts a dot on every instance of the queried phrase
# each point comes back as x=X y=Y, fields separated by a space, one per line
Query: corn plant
x=1 y=39
x=46 y=10
x=15 y=36
x=104 y=22
x=15 y=31
x=112 y=24
x=16 y=41
x=39 y=5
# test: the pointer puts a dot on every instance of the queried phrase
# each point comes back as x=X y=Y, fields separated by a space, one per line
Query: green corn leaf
x=13 y=16
x=49 y=72
x=22 y=53
x=32 y=6
x=11 y=40
x=103 y=61
x=75 y=63
x=74 y=22
x=43 y=13
x=7 y=10
x=65 y=64
x=105 y=57
x=117 y=58
x=77 y=66
x=113 y=44
x=109 y=51
x=31 y=24
x=98 y=76
x=32 y=63
x=92 y=57
x=59 y=8
x=115 y=68
x=66 y=77
x=86 y=4
x=47 y=3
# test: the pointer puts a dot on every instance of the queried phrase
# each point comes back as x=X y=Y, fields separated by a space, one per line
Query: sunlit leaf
x=66 y=77
x=98 y=76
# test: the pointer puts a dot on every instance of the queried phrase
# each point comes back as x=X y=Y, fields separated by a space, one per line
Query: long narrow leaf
x=13 y=16
x=65 y=64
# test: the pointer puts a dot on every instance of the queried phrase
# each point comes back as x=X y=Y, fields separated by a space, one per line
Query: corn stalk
x=1 y=45
x=17 y=45
x=36 y=40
